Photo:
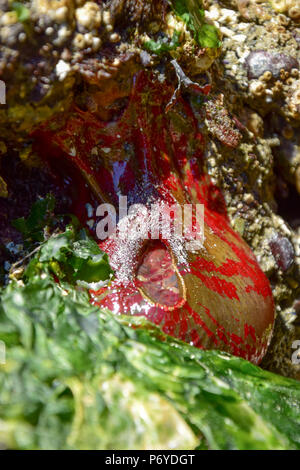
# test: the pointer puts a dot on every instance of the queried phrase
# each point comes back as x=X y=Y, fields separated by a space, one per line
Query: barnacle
x=291 y=7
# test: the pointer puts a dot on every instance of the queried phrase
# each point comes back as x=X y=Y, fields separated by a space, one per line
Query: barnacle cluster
x=290 y=7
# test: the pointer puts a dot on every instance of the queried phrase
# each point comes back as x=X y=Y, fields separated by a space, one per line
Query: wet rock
x=260 y=61
x=283 y=252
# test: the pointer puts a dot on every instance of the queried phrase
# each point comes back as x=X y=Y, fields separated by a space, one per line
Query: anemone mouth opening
x=158 y=278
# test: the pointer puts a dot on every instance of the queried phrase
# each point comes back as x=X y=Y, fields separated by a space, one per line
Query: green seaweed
x=162 y=46
x=190 y=11
x=21 y=10
x=32 y=227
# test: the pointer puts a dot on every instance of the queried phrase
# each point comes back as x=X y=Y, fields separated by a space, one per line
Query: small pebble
x=260 y=61
x=283 y=252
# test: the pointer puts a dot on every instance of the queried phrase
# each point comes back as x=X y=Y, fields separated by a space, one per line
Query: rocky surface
x=55 y=53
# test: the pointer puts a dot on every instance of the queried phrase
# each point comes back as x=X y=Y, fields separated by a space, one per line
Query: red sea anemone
x=213 y=297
